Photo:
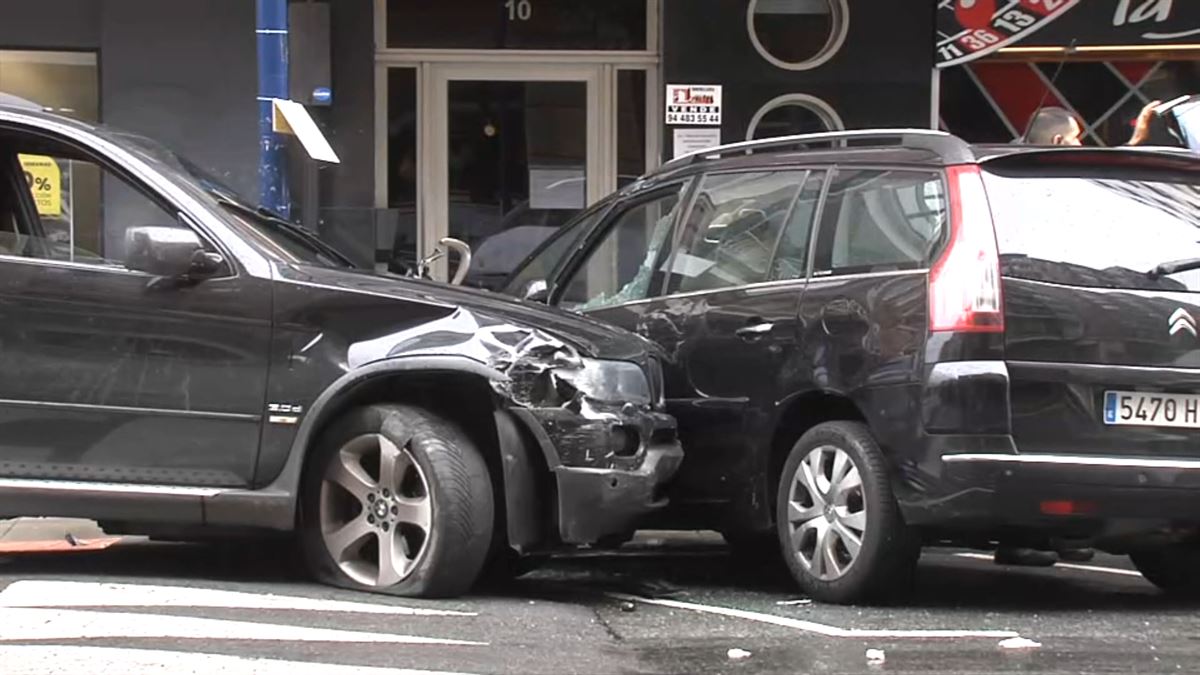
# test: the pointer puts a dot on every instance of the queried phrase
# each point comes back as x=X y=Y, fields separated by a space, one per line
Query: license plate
x=1152 y=410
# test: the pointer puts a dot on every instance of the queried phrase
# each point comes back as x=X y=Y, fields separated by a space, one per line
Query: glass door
x=511 y=153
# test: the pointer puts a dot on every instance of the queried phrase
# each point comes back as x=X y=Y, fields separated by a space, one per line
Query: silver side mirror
x=537 y=291
x=174 y=252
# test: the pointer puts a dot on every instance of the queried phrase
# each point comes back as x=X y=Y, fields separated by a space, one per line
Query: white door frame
x=434 y=176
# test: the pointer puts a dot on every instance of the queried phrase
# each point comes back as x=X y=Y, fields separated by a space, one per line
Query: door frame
x=433 y=150
x=435 y=68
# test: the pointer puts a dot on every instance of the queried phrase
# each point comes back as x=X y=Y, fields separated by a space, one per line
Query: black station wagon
x=897 y=339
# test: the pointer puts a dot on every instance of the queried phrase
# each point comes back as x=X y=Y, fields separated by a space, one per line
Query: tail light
x=964 y=284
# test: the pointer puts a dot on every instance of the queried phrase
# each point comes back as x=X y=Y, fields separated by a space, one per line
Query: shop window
x=798 y=34
x=993 y=102
x=793 y=114
x=518 y=24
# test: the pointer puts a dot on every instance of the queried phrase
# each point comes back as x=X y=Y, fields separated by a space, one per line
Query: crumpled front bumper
x=610 y=463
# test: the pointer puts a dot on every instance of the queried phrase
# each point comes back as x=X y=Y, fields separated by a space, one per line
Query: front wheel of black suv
x=839 y=526
x=1175 y=569
x=396 y=500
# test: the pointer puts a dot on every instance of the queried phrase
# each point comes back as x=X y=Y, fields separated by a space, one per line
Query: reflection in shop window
x=66 y=193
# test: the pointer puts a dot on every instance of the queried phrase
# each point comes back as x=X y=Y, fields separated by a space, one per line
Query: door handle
x=754 y=331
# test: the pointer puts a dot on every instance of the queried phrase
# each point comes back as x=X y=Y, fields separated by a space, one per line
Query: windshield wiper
x=1174 y=267
x=277 y=221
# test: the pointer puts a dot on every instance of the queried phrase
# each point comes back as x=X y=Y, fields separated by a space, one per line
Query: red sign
x=969 y=29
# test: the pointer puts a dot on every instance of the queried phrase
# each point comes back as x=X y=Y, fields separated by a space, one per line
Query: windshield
x=286 y=239
x=1097 y=232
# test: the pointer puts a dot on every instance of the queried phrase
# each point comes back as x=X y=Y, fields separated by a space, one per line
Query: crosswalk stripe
x=22 y=624
x=82 y=660
x=36 y=593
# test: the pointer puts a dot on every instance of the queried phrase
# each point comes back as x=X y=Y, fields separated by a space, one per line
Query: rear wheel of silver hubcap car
x=827 y=512
x=376 y=512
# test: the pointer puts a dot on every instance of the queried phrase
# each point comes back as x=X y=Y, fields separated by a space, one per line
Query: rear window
x=1096 y=232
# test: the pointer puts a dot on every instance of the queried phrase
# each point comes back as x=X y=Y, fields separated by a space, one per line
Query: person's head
x=1055 y=126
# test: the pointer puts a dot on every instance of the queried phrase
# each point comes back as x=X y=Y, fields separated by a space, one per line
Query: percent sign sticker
x=45 y=183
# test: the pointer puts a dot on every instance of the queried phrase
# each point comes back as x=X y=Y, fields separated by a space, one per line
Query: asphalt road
x=678 y=607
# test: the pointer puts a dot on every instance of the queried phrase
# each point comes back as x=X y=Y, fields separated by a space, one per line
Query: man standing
x=1058 y=126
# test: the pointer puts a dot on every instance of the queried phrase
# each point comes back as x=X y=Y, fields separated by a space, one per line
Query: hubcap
x=376 y=512
x=827 y=512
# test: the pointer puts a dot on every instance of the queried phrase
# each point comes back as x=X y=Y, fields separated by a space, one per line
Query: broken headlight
x=607 y=381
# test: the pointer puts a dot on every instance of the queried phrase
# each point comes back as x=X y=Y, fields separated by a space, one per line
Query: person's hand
x=1141 y=128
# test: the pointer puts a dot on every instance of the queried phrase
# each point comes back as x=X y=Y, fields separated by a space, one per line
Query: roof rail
x=949 y=147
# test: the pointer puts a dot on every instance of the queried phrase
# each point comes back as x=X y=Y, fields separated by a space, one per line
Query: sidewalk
x=33 y=535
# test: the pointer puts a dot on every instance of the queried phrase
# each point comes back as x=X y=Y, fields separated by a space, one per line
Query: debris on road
x=876 y=657
x=627 y=606
x=736 y=653
x=791 y=603
x=1019 y=643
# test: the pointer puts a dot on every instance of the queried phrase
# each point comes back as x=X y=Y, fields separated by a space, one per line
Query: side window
x=79 y=210
x=791 y=258
x=542 y=263
x=730 y=233
x=626 y=264
x=881 y=220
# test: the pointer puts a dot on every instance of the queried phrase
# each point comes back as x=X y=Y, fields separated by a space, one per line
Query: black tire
x=884 y=565
x=458 y=506
x=1174 y=569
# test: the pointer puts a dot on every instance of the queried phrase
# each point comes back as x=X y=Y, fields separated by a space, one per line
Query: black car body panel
x=138 y=401
x=983 y=430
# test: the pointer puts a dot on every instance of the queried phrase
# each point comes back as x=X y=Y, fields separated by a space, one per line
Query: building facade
x=494 y=121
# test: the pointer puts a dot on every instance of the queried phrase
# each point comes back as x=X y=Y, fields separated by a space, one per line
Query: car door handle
x=754 y=331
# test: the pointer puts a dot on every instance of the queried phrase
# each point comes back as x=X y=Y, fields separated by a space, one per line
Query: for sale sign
x=969 y=29
x=694 y=105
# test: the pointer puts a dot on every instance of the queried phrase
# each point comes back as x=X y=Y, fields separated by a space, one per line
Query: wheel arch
x=795 y=416
x=456 y=387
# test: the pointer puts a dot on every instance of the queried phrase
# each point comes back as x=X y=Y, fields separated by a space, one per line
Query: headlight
x=608 y=381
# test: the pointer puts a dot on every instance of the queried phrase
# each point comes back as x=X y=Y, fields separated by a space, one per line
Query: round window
x=791 y=115
x=797 y=34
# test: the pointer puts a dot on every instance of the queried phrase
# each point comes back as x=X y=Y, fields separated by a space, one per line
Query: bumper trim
x=1077 y=460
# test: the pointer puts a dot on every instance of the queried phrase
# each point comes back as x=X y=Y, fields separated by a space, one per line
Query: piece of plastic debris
x=1019 y=643
x=736 y=653
x=876 y=657
x=627 y=606
x=789 y=603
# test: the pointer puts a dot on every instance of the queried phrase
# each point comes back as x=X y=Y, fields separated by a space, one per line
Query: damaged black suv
x=178 y=363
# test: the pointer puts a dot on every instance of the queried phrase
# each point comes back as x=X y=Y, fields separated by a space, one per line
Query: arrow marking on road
x=19 y=624
x=41 y=659
x=90 y=594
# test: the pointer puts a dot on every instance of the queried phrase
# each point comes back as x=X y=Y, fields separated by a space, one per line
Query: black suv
x=178 y=363
x=899 y=338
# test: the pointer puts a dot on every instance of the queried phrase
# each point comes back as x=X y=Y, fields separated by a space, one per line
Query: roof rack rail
x=948 y=147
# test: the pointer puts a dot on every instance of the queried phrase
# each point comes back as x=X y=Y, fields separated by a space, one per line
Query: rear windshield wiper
x=1174 y=267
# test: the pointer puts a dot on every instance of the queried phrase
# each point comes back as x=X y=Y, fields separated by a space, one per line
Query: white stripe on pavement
x=61 y=624
x=56 y=660
x=88 y=594
x=1069 y=566
x=812 y=626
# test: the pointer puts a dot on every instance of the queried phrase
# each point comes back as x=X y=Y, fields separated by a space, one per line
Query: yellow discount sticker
x=45 y=182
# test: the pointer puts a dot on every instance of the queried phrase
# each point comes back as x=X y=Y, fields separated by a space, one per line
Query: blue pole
x=272 y=35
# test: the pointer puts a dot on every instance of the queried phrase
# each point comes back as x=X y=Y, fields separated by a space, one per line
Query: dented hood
x=593 y=338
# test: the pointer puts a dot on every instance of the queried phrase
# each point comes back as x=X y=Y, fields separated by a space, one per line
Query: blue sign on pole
x=322 y=96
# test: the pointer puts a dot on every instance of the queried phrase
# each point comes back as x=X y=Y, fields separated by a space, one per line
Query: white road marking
x=56 y=660
x=19 y=624
x=814 y=627
x=89 y=594
x=1069 y=566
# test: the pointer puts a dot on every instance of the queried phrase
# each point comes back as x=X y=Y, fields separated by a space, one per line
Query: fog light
x=624 y=441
